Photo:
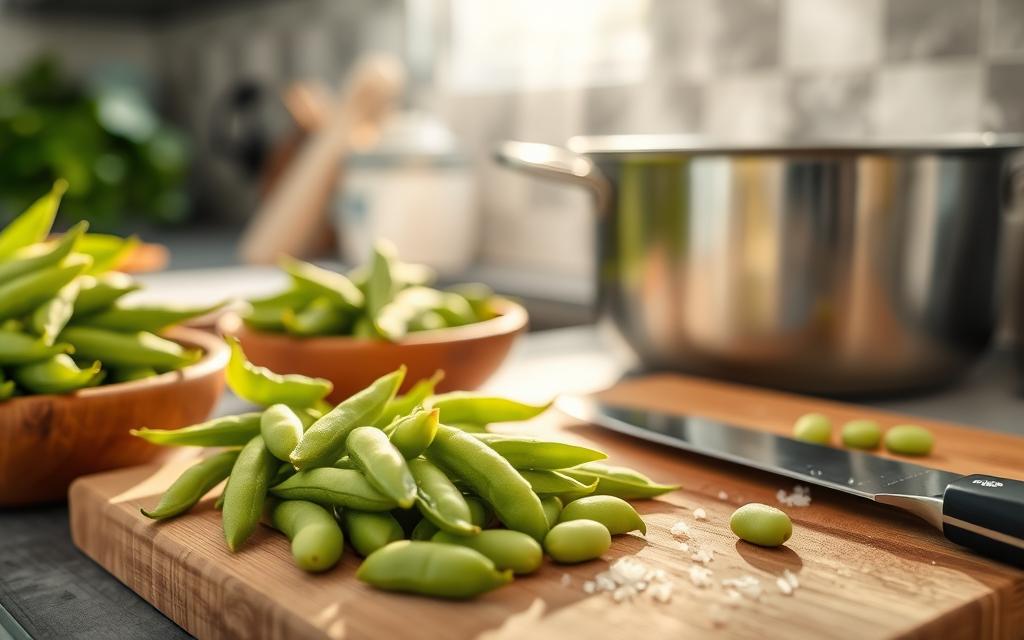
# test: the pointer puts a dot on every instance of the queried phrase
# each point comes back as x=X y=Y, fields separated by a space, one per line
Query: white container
x=414 y=189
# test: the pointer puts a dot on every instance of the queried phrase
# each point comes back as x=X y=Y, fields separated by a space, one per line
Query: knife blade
x=979 y=511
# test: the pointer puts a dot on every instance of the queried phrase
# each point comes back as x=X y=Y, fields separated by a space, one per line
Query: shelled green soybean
x=63 y=323
x=434 y=509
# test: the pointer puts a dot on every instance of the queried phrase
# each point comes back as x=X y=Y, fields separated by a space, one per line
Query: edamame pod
x=336 y=487
x=532 y=453
x=34 y=224
x=552 y=508
x=432 y=569
x=23 y=294
x=455 y=310
x=319 y=318
x=129 y=349
x=128 y=374
x=152 y=318
x=617 y=515
x=369 y=530
x=29 y=261
x=244 y=496
x=464 y=406
x=479 y=513
x=545 y=482
x=324 y=441
x=317 y=540
x=6 y=389
x=621 y=482
x=412 y=434
x=424 y=530
x=262 y=386
x=58 y=374
x=99 y=292
x=577 y=541
x=192 y=485
x=321 y=282
x=228 y=431
x=380 y=287
x=492 y=478
x=281 y=429
x=440 y=501
x=107 y=251
x=405 y=404
x=50 y=318
x=17 y=348
x=506 y=548
x=383 y=464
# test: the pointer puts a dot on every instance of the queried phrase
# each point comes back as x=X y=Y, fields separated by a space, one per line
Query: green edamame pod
x=617 y=515
x=324 y=441
x=380 y=287
x=23 y=294
x=577 y=541
x=107 y=251
x=479 y=513
x=432 y=569
x=428 y=320
x=128 y=374
x=50 y=318
x=284 y=472
x=228 y=431
x=317 y=540
x=192 y=485
x=621 y=482
x=363 y=329
x=17 y=348
x=469 y=427
x=382 y=463
x=440 y=501
x=244 y=497
x=506 y=548
x=99 y=292
x=492 y=478
x=546 y=482
x=129 y=349
x=281 y=430
x=424 y=530
x=219 y=503
x=412 y=434
x=532 y=453
x=321 y=282
x=336 y=487
x=552 y=508
x=464 y=406
x=6 y=388
x=32 y=225
x=369 y=530
x=58 y=374
x=404 y=404
x=480 y=297
x=152 y=318
x=319 y=318
x=29 y=260
x=262 y=386
x=455 y=310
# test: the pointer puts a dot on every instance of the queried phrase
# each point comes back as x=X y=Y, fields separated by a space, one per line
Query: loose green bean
x=128 y=349
x=909 y=440
x=324 y=442
x=532 y=453
x=262 y=386
x=464 y=406
x=507 y=549
x=861 y=434
x=813 y=427
x=371 y=530
x=577 y=541
x=244 y=496
x=617 y=515
x=382 y=463
x=432 y=569
x=412 y=434
x=336 y=487
x=192 y=485
x=621 y=482
x=761 y=525
x=317 y=540
x=228 y=431
x=281 y=429
x=58 y=374
x=440 y=501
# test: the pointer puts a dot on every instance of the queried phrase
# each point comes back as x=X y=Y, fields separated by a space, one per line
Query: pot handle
x=557 y=163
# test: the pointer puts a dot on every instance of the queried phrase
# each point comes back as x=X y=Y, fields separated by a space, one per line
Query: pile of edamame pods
x=62 y=324
x=384 y=300
x=435 y=503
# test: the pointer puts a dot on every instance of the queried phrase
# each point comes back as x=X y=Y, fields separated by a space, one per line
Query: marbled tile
x=831 y=34
x=681 y=37
x=1004 y=104
x=830 y=106
x=660 y=105
x=1004 y=27
x=916 y=29
x=746 y=109
x=932 y=99
x=745 y=35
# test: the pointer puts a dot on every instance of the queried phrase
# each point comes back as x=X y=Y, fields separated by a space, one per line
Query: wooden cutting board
x=865 y=570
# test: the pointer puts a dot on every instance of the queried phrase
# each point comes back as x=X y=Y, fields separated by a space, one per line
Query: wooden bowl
x=468 y=354
x=46 y=441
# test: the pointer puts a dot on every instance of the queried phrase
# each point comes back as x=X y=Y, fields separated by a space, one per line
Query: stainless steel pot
x=832 y=269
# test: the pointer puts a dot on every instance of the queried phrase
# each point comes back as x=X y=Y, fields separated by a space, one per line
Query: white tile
x=925 y=100
x=750 y=109
x=831 y=34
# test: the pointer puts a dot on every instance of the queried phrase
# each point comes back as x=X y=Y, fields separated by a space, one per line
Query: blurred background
x=173 y=119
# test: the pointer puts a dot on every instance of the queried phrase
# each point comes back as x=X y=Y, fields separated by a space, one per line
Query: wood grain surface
x=865 y=570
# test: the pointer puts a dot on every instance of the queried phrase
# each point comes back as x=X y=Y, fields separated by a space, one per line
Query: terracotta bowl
x=47 y=441
x=468 y=355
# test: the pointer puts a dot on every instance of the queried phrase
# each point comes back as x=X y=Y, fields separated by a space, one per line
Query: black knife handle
x=986 y=513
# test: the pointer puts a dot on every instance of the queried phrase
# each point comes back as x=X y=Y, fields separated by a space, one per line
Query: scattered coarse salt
x=700 y=577
x=801 y=497
x=589 y=586
x=784 y=586
x=791 y=578
x=700 y=514
x=704 y=555
x=661 y=592
x=566 y=580
x=747 y=585
x=732 y=598
x=680 y=530
x=629 y=577
x=684 y=547
x=723 y=495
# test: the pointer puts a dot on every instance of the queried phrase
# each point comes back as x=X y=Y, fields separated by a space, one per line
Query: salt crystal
x=801 y=497
x=703 y=555
x=784 y=586
x=732 y=598
x=791 y=579
x=680 y=530
x=589 y=586
x=747 y=585
x=723 y=495
x=684 y=547
x=700 y=514
x=661 y=592
x=700 y=577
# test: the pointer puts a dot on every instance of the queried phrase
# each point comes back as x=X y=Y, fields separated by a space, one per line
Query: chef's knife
x=985 y=513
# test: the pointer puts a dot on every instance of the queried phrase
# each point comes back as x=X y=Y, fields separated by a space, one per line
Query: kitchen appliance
x=841 y=269
x=983 y=512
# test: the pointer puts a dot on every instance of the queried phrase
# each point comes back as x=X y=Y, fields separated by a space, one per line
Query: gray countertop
x=50 y=590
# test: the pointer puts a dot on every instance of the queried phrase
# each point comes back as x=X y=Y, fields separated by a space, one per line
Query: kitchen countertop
x=49 y=589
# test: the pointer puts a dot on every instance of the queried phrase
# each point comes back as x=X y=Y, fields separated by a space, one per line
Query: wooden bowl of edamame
x=467 y=354
x=46 y=441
